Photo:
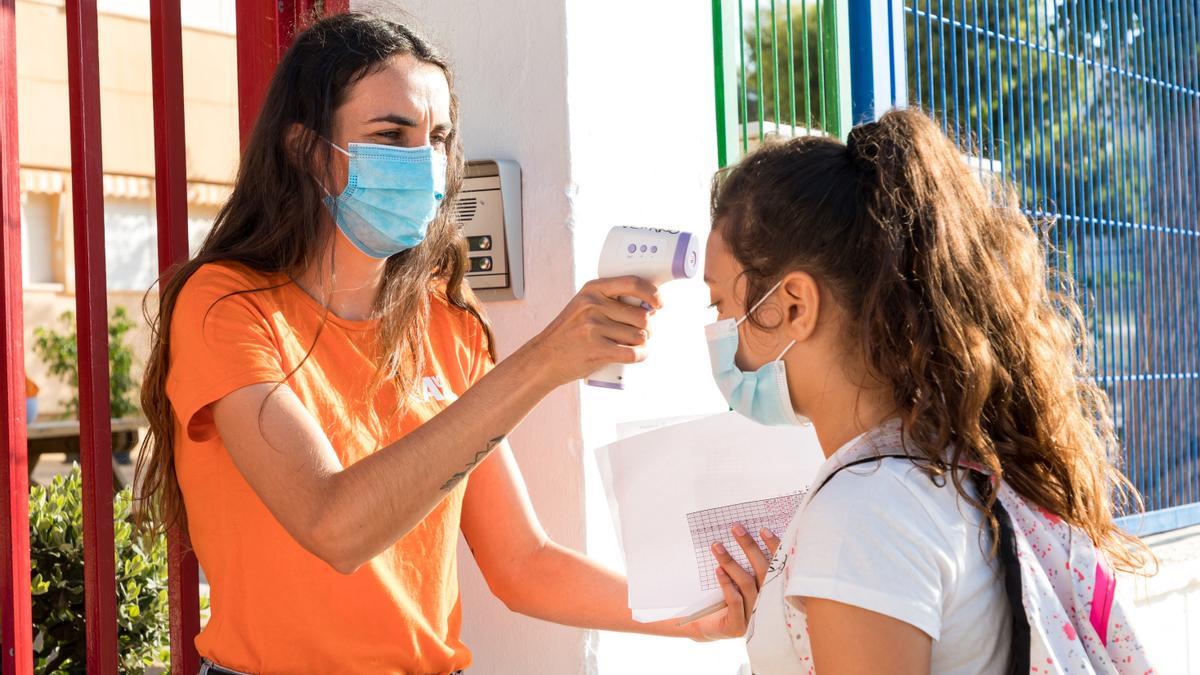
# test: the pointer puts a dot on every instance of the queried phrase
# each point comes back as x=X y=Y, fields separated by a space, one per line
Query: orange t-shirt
x=276 y=608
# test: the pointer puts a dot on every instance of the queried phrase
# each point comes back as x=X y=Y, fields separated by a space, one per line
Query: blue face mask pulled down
x=391 y=196
x=761 y=395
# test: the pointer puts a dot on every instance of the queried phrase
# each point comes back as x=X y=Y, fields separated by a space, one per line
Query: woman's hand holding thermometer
x=596 y=328
x=654 y=255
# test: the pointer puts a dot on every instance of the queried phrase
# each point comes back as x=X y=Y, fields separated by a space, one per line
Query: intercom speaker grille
x=464 y=210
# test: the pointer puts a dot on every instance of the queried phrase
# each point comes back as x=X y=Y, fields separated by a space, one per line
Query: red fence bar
x=264 y=32
x=170 y=179
x=16 y=622
x=91 y=304
x=170 y=159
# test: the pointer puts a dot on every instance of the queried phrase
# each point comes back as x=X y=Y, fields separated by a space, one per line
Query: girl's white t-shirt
x=883 y=536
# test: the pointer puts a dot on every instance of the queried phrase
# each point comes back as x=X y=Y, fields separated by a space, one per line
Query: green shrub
x=60 y=352
x=56 y=562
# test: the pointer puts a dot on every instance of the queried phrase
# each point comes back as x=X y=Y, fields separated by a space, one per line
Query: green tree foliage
x=788 y=71
x=56 y=565
x=60 y=352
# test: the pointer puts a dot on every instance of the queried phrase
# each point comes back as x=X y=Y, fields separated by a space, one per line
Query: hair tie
x=862 y=148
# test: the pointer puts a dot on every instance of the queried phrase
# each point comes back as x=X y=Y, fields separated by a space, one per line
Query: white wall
x=608 y=108
x=643 y=150
x=37 y=237
x=1168 y=604
x=511 y=65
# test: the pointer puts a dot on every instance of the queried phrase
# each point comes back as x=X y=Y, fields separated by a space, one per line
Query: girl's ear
x=801 y=301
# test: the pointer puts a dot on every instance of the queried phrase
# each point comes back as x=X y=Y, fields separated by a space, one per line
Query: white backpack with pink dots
x=1067 y=619
x=1072 y=620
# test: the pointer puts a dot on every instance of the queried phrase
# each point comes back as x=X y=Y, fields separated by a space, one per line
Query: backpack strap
x=857 y=462
x=1010 y=565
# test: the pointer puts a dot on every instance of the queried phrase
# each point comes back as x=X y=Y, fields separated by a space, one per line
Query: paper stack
x=676 y=489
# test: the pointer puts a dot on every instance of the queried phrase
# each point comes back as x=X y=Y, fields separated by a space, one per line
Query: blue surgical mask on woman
x=391 y=196
x=761 y=395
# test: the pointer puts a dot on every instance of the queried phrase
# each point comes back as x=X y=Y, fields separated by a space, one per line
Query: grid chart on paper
x=714 y=524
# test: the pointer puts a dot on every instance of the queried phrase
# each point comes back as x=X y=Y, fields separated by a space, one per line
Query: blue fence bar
x=1091 y=109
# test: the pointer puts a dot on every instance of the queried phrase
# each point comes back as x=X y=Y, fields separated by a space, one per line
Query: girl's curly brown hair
x=948 y=292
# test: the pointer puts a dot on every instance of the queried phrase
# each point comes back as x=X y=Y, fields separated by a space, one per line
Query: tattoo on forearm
x=457 y=478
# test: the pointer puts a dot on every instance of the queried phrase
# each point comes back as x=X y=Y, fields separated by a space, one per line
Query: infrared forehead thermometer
x=658 y=256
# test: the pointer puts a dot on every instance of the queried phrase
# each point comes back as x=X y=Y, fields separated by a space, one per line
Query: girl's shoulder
x=887 y=454
x=890 y=487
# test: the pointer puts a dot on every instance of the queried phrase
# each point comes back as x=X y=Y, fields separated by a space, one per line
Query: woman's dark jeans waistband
x=210 y=668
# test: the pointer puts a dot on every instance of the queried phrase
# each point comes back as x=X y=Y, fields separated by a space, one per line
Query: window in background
x=131 y=244
x=38 y=222
x=200 y=221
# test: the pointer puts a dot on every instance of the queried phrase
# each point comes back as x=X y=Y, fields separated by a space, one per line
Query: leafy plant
x=60 y=352
x=56 y=564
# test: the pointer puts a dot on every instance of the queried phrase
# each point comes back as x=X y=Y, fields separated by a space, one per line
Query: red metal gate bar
x=170 y=176
x=16 y=623
x=91 y=304
x=264 y=31
x=170 y=166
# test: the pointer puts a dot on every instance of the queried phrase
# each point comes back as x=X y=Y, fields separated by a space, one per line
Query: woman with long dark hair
x=325 y=412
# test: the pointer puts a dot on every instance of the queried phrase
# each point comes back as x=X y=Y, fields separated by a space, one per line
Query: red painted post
x=170 y=161
x=264 y=32
x=91 y=305
x=331 y=7
x=16 y=622
x=170 y=176
x=259 y=44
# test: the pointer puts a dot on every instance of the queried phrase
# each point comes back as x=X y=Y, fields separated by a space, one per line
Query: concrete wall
x=1168 y=604
x=126 y=110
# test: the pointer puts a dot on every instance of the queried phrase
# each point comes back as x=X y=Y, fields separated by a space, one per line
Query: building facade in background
x=210 y=94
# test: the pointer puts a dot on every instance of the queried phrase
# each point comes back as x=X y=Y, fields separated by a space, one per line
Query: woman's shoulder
x=225 y=278
x=210 y=285
x=458 y=332
x=230 y=275
x=456 y=315
x=893 y=497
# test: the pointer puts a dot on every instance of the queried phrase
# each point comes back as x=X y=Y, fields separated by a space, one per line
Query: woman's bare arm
x=347 y=515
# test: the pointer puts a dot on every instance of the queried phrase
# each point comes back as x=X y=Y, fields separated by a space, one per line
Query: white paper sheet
x=718 y=470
